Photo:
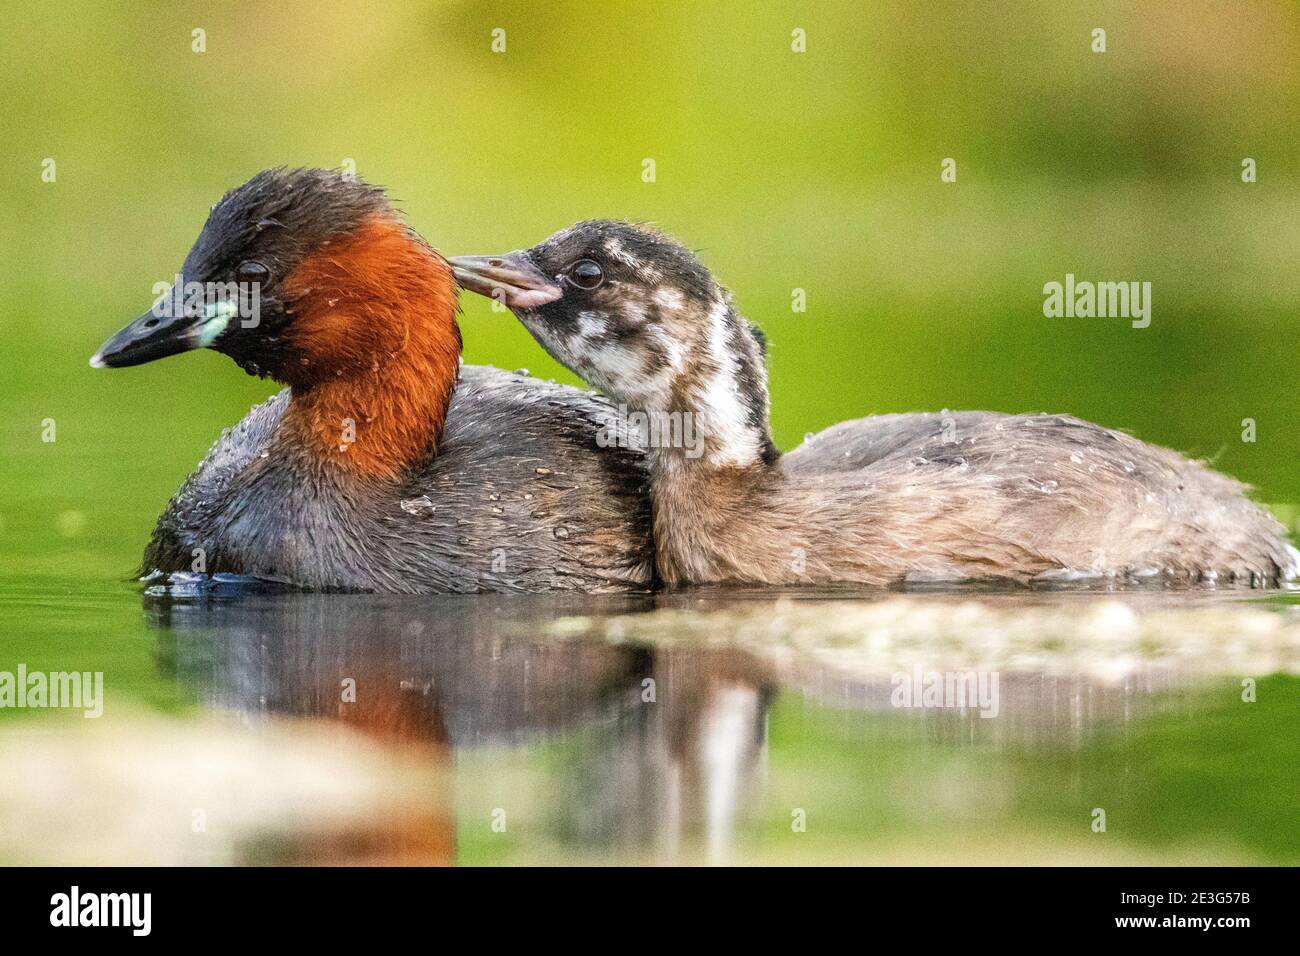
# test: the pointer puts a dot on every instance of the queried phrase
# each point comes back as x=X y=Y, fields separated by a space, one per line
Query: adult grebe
x=384 y=465
x=923 y=497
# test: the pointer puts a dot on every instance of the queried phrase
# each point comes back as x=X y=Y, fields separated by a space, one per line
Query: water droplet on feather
x=421 y=507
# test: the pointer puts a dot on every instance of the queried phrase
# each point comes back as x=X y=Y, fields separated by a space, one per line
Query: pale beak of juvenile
x=511 y=279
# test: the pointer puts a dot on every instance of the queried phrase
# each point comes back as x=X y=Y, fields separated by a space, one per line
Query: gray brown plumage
x=926 y=497
x=384 y=465
x=518 y=498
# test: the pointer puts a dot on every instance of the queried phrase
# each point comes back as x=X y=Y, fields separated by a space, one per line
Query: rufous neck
x=377 y=351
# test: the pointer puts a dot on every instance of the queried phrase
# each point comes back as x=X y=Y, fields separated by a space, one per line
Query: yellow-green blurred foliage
x=816 y=170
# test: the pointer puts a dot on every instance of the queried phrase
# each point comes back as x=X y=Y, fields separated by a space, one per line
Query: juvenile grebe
x=384 y=465
x=921 y=497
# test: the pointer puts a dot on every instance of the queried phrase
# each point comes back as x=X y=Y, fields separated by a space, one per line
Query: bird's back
x=1044 y=495
x=519 y=496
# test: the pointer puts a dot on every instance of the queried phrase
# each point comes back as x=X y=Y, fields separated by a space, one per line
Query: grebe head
x=284 y=278
x=310 y=277
x=629 y=309
x=635 y=313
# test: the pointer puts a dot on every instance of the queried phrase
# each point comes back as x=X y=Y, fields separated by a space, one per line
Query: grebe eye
x=251 y=272
x=586 y=274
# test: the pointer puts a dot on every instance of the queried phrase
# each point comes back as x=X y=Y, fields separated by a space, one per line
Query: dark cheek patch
x=641 y=332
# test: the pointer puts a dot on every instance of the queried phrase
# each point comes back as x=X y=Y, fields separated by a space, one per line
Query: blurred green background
x=817 y=170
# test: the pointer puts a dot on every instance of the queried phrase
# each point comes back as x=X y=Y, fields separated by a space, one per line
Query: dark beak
x=156 y=335
x=511 y=279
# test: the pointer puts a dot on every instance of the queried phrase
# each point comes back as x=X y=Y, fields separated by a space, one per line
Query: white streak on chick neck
x=713 y=393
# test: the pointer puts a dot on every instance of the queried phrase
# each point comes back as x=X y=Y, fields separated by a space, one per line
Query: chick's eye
x=586 y=274
x=252 y=271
